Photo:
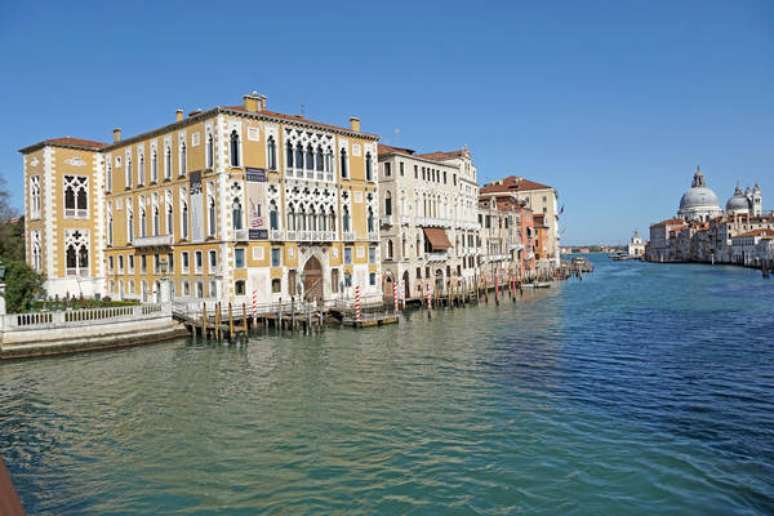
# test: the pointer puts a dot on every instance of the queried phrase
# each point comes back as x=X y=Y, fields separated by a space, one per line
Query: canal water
x=644 y=388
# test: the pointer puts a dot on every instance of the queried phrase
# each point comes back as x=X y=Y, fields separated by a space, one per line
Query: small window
x=276 y=286
x=347 y=255
x=239 y=288
x=185 y=261
x=239 y=257
x=387 y=169
x=372 y=254
x=213 y=260
x=335 y=280
x=276 y=257
x=199 y=260
x=401 y=169
x=372 y=279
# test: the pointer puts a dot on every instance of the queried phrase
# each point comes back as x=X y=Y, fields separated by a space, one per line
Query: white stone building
x=636 y=245
x=429 y=220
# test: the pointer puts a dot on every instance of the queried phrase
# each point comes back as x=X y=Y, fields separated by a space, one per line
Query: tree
x=23 y=284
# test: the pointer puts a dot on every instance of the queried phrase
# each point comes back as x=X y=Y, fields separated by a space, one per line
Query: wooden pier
x=226 y=322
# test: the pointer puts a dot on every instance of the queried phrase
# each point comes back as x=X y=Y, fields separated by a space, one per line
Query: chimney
x=179 y=115
x=254 y=102
x=354 y=123
x=116 y=135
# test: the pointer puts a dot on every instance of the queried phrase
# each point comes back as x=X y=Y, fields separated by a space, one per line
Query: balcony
x=404 y=220
x=386 y=220
x=350 y=236
x=311 y=236
x=74 y=271
x=373 y=236
x=76 y=214
x=276 y=235
x=437 y=257
x=433 y=222
x=153 y=241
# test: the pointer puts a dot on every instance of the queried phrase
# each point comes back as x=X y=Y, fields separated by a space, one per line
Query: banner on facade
x=197 y=215
x=256 y=203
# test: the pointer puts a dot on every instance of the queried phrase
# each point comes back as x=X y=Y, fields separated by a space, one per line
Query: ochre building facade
x=234 y=203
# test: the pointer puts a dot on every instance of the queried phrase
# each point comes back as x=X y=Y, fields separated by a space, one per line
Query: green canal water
x=644 y=388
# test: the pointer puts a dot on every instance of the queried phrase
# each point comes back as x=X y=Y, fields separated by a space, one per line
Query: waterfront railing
x=84 y=317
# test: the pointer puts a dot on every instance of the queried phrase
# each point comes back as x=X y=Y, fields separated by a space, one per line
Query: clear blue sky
x=614 y=103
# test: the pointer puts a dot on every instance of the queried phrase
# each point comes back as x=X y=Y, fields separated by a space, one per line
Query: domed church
x=699 y=203
x=747 y=202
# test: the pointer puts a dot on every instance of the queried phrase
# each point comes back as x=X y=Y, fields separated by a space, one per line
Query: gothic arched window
x=271 y=153
x=369 y=167
x=236 y=213
x=344 y=171
x=234 y=147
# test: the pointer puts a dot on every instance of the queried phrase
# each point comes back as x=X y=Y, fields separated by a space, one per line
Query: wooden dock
x=225 y=322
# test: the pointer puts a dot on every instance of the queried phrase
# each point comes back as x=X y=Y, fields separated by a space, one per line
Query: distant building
x=703 y=232
x=636 y=245
x=543 y=200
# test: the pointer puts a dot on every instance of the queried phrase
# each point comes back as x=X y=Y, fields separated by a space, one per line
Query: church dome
x=700 y=202
x=738 y=202
x=699 y=197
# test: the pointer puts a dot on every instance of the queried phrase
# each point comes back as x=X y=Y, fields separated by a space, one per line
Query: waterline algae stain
x=643 y=388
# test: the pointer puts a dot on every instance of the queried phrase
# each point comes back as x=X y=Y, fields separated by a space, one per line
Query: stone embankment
x=55 y=333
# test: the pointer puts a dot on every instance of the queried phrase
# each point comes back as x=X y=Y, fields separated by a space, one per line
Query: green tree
x=22 y=286
x=22 y=283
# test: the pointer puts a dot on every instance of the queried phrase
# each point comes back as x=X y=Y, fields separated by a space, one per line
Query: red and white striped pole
x=357 y=303
x=255 y=302
x=395 y=295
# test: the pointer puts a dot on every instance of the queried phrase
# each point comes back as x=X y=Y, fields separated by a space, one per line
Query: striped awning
x=437 y=238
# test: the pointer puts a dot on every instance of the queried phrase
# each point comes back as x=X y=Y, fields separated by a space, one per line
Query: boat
x=538 y=285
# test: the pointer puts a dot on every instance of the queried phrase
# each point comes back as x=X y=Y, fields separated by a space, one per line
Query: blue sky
x=614 y=103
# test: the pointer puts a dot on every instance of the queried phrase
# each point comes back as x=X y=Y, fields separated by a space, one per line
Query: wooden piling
x=230 y=323
x=204 y=319
x=218 y=323
x=244 y=320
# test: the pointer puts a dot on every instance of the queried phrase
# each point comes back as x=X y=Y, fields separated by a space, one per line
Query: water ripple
x=644 y=388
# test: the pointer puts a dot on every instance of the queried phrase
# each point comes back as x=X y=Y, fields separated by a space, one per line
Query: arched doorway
x=387 y=288
x=406 y=289
x=313 y=286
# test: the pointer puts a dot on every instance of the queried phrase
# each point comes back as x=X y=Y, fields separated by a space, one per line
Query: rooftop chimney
x=179 y=115
x=116 y=135
x=254 y=102
x=354 y=123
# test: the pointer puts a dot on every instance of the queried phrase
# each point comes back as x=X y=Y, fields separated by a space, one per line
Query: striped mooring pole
x=255 y=302
x=357 y=303
x=395 y=295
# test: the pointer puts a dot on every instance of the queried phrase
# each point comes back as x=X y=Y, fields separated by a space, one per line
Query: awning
x=437 y=238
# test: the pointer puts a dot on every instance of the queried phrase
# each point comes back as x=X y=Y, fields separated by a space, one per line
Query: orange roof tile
x=512 y=184
x=444 y=155
x=384 y=150
x=66 y=141
x=295 y=118
x=762 y=232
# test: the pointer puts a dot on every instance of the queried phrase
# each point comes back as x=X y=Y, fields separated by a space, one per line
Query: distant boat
x=537 y=285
